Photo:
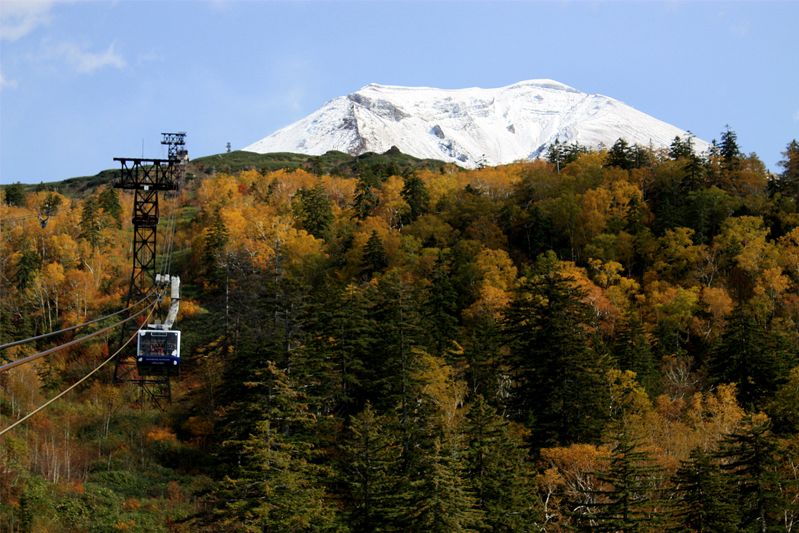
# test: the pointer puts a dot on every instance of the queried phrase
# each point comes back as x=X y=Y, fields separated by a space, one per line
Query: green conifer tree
x=370 y=468
x=631 y=351
x=374 y=257
x=705 y=500
x=440 y=309
x=749 y=457
x=108 y=200
x=15 y=194
x=789 y=178
x=680 y=148
x=415 y=194
x=749 y=355
x=276 y=481
x=729 y=151
x=90 y=222
x=366 y=199
x=620 y=155
x=559 y=378
x=631 y=502
x=214 y=242
x=313 y=210
x=498 y=471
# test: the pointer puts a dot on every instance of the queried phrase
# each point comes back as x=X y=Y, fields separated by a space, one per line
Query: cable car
x=158 y=347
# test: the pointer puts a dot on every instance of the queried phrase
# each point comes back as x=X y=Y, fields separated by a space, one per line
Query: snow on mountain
x=469 y=126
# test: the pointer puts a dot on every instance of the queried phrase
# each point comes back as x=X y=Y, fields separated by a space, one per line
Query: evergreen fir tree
x=705 y=500
x=681 y=148
x=414 y=192
x=631 y=503
x=28 y=265
x=214 y=243
x=789 y=178
x=632 y=352
x=750 y=356
x=312 y=209
x=15 y=194
x=393 y=359
x=370 y=466
x=440 y=309
x=620 y=155
x=498 y=471
x=556 y=154
x=437 y=495
x=728 y=149
x=108 y=200
x=374 y=256
x=90 y=223
x=440 y=500
x=559 y=378
x=366 y=199
x=640 y=156
x=340 y=340
x=482 y=350
x=748 y=456
x=572 y=151
x=276 y=485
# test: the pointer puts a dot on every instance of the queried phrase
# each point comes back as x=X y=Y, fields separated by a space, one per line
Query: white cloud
x=20 y=17
x=6 y=83
x=83 y=60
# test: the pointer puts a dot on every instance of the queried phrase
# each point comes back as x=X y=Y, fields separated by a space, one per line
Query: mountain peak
x=468 y=126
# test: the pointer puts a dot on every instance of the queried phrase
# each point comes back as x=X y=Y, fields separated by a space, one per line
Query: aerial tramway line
x=157 y=356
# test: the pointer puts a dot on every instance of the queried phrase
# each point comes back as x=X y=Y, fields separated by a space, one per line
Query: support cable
x=71 y=328
x=28 y=359
x=71 y=387
x=166 y=265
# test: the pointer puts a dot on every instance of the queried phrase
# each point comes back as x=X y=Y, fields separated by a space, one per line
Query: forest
x=601 y=340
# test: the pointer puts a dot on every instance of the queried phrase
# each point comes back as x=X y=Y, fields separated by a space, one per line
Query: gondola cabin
x=158 y=348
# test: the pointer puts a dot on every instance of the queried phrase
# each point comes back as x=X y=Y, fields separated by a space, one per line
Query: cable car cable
x=167 y=265
x=71 y=387
x=71 y=328
x=28 y=359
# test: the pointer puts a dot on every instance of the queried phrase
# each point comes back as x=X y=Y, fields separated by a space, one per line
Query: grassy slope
x=338 y=163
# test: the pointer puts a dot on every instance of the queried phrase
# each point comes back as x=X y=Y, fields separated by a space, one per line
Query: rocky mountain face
x=469 y=126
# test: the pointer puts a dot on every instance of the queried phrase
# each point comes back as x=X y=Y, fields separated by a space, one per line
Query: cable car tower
x=158 y=348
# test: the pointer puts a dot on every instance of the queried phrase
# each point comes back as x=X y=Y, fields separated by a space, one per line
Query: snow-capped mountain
x=469 y=126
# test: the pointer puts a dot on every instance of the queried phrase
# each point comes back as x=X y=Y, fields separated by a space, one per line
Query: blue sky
x=82 y=82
